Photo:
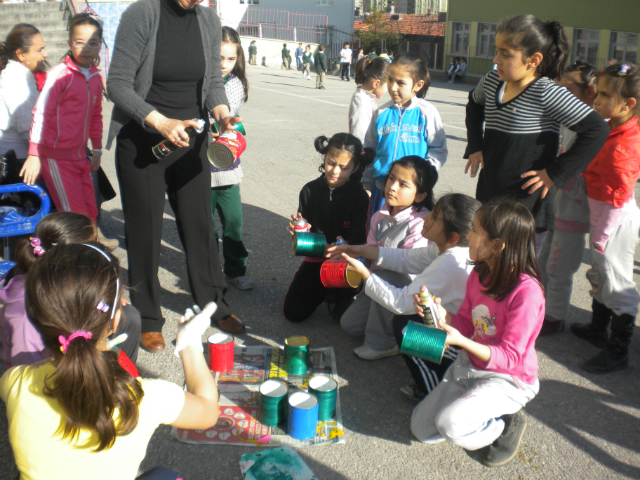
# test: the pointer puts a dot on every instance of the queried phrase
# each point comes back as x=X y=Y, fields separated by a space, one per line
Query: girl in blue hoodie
x=409 y=126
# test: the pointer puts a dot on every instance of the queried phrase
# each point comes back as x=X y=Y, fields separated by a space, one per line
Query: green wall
x=622 y=15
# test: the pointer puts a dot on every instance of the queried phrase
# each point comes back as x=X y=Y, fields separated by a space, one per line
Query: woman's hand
x=539 y=179
x=227 y=123
x=30 y=169
x=172 y=130
x=357 y=266
x=95 y=162
x=476 y=161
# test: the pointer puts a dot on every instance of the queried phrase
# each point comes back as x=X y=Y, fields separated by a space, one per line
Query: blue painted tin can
x=303 y=416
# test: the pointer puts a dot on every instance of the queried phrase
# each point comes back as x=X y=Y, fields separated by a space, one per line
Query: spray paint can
x=340 y=242
x=429 y=308
x=300 y=225
x=165 y=147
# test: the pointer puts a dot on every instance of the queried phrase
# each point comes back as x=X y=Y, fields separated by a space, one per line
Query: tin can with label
x=226 y=149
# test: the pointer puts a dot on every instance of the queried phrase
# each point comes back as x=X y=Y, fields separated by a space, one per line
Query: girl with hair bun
x=371 y=76
x=336 y=205
x=522 y=108
x=79 y=414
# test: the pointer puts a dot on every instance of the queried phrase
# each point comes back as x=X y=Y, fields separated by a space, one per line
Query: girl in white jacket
x=371 y=76
x=442 y=268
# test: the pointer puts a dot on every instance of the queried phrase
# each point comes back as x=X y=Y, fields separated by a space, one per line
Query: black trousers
x=130 y=323
x=426 y=374
x=306 y=293
x=344 y=71
x=185 y=177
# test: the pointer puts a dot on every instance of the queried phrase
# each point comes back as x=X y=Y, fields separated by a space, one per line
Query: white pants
x=611 y=272
x=466 y=406
x=369 y=318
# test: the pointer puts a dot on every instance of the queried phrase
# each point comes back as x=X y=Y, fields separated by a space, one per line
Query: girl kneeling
x=477 y=404
x=81 y=415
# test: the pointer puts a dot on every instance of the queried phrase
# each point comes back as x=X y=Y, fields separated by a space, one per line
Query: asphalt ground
x=579 y=426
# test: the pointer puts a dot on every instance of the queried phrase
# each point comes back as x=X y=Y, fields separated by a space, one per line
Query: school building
x=597 y=30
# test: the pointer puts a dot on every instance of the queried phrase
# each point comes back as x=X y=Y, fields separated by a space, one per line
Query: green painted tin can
x=273 y=403
x=423 y=342
x=326 y=389
x=296 y=355
x=308 y=244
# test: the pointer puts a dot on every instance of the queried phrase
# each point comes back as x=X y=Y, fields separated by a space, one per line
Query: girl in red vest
x=615 y=220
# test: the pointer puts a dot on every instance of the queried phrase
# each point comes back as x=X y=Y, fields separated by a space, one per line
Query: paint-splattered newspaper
x=238 y=422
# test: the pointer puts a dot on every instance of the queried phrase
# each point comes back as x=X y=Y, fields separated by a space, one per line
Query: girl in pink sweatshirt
x=477 y=405
x=69 y=113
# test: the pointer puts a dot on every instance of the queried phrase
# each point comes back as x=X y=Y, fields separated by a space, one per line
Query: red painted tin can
x=220 y=352
x=335 y=274
x=226 y=149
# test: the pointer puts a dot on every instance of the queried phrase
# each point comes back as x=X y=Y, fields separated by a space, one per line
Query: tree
x=377 y=29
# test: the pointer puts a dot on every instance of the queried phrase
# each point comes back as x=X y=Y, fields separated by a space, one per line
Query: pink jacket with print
x=68 y=113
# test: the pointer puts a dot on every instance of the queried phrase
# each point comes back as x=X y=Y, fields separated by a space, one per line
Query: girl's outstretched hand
x=358 y=266
x=227 y=123
x=475 y=162
x=334 y=252
x=192 y=325
x=539 y=178
x=30 y=169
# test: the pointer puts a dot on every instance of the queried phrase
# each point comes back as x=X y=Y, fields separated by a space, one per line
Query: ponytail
x=348 y=143
x=531 y=35
x=63 y=291
x=378 y=69
x=55 y=228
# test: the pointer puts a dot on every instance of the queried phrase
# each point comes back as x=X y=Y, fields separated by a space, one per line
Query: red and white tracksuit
x=68 y=113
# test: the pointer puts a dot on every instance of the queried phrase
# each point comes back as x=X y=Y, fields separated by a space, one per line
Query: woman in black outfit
x=165 y=72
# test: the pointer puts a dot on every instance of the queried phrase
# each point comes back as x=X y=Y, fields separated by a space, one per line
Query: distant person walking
x=307 y=58
x=373 y=54
x=253 y=53
x=345 y=61
x=299 y=53
x=321 y=68
x=286 y=57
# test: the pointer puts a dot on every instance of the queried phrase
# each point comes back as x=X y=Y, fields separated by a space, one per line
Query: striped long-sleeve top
x=522 y=135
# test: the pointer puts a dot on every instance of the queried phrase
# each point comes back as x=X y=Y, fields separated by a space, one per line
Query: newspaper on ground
x=281 y=463
x=239 y=402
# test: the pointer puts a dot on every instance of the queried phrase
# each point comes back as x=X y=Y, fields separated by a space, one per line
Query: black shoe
x=506 y=446
x=590 y=333
x=337 y=304
x=323 y=88
x=551 y=326
x=610 y=359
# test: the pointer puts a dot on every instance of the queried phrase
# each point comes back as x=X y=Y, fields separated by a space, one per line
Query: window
x=585 y=45
x=624 y=47
x=324 y=3
x=486 y=45
x=460 y=38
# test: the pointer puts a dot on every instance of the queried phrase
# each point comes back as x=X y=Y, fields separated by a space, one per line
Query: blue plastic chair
x=14 y=224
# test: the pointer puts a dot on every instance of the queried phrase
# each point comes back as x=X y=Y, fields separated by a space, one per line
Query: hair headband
x=104 y=307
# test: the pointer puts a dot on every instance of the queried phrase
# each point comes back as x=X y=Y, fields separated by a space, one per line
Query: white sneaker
x=366 y=353
x=309 y=77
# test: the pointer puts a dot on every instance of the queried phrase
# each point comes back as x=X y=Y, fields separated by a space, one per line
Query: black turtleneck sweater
x=179 y=65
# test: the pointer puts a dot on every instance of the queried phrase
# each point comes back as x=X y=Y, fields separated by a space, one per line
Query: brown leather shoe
x=152 y=341
x=231 y=324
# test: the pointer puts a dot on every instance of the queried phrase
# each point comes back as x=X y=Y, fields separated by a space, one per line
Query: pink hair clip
x=64 y=341
x=103 y=307
x=37 y=249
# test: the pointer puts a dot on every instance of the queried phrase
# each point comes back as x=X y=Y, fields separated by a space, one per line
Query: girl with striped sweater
x=522 y=109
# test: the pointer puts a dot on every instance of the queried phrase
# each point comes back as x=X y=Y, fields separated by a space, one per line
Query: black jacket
x=343 y=212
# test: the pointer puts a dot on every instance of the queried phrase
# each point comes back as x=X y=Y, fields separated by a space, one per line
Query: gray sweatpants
x=611 y=272
x=369 y=318
x=560 y=259
x=466 y=406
